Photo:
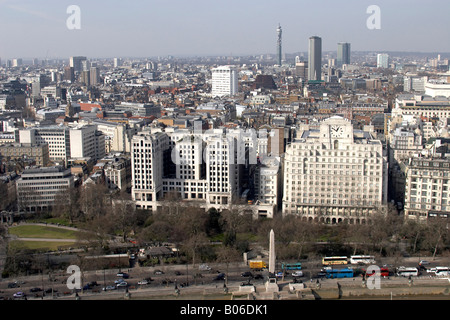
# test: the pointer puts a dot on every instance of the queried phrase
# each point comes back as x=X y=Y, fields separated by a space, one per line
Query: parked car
x=143 y=282
x=424 y=263
x=246 y=274
x=109 y=288
x=220 y=276
x=259 y=276
x=204 y=267
x=19 y=294
x=35 y=289
x=158 y=272
x=119 y=281
x=123 y=275
x=297 y=274
x=122 y=284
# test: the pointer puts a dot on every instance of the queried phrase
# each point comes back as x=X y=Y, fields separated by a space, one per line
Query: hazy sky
x=146 y=28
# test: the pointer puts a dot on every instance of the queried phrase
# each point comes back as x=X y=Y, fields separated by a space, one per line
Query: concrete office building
x=343 y=54
x=224 y=81
x=315 y=59
x=76 y=63
x=213 y=169
x=37 y=188
x=335 y=174
x=147 y=168
x=86 y=142
x=57 y=138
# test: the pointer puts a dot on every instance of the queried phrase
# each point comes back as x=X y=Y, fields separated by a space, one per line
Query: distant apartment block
x=224 y=81
x=382 y=60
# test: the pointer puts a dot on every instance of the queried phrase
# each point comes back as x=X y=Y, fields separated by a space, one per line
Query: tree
x=228 y=255
x=124 y=214
x=67 y=204
x=413 y=231
x=436 y=235
x=93 y=200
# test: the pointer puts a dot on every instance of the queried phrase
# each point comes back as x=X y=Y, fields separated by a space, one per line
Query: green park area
x=44 y=232
x=49 y=235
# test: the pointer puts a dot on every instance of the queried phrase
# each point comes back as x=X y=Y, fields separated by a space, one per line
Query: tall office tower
x=343 y=54
x=221 y=170
x=315 y=58
x=85 y=77
x=279 y=56
x=224 y=81
x=117 y=62
x=69 y=74
x=94 y=76
x=85 y=65
x=76 y=63
x=382 y=60
x=147 y=167
x=17 y=62
x=335 y=174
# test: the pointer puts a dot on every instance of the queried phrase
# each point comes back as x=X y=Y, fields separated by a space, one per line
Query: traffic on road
x=54 y=285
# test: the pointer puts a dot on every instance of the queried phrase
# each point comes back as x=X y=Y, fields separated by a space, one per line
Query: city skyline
x=179 y=28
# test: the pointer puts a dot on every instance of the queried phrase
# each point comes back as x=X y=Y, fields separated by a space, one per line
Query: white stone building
x=224 y=81
x=335 y=174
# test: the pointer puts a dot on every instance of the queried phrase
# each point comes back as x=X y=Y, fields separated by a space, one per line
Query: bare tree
x=437 y=233
x=67 y=204
x=228 y=255
x=124 y=214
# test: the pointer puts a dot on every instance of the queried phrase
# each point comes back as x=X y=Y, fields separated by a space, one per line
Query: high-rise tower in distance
x=279 y=57
x=315 y=58
x=343 y=54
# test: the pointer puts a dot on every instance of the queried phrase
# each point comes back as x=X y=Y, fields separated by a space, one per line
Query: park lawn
x=39 y=245
x=36 y=231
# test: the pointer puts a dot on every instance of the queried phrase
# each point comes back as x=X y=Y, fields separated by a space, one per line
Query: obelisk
x=272 y=252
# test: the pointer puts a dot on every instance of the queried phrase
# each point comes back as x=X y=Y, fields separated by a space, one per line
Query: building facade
x=427 y=189
x=382 y=60
x=315 y=59
x=335 y=174
x=40 y=153
x=224 y=81
x=343 y=54
x=38 y=188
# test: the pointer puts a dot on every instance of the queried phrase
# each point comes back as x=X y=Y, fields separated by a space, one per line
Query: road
x=181 y=276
